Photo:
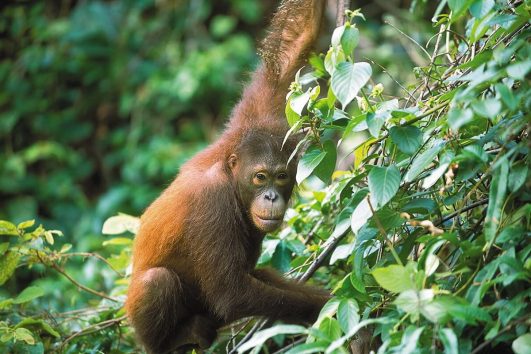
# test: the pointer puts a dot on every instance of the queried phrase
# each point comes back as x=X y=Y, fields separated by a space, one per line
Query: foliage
x=102 y=101
x=428 y=234
x=414 y=208
x=24 y=327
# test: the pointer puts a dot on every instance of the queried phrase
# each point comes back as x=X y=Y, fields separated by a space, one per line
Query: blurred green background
x=102 y=101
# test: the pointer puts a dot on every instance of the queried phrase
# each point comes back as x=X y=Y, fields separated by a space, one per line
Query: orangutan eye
x=282 y=175
x=260 y=176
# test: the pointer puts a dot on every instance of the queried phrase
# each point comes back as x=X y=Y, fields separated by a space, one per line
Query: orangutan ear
x=232 y=161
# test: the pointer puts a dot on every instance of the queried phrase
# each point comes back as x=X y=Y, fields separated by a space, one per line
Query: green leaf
x=291 y=116
x=298 y=101
x=25 y=335
x=340 y=341
x=118 y=241
x=420 y=206
x=281 y=257
x=330 y=328
x=522 y=344
x=259 y=338
x=413 y=301
x=461 y=310
x=518 y=71
x=308 y=163
x=26 y=224
x=517 y=177
x=349 y=39
x=7 y=228
x=488 y=108
x=49 y=237
x=480 y=8
x=407 y=139
x=375 y=121
x=383 y=185
x=409 y=342
x=28 y=294
x=458 y=7
x=326 y=167
x=507 y=96
x=423 y=160
x=342 y=251
x=394 y=278
x=336 y=35
x=309 y=348
x=348 y=79
x=449 y=341
x=39 y=323
x=360 y=215
x=8 y=264
x=333 y=58
x=439 y=171
x=348 y=314
x=498 y=187
x=120 y=223
x=459 y=117
x=328 y=310
x=431 y=265
x=3 y=248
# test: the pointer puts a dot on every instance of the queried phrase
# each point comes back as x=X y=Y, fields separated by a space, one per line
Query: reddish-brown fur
x=195 y=253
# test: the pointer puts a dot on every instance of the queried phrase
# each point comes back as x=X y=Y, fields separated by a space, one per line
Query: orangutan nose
x=270 y=195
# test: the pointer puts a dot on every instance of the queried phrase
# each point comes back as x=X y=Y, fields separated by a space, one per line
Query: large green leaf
x=360 y=215
x=349 y=39
x=423 y=160
x=522 y=344
x=394 y=278
x=121 y=223
x=28 y=294
x=326 y=167
x=449 y=341
x=410 y=340
x=8 y=264
x=281 y=257
x=383 y=184
x=498 y=188
x=309 y=348
x=458 y=7
x=439 y=171
x=348 y=79
x=309 y=162
x=348 y=314
x=413 y=301
x=459 y=117
x=408 y=139
x=298 y=101
x=259 y=338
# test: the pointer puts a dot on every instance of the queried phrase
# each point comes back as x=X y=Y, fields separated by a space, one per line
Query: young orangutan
x=198 y=244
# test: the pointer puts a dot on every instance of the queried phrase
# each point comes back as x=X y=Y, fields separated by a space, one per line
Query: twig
x=94 y=328
x=392 y=78
x=81 y=286
x=342 y=6
x=411 y=39
x=507 y=328
x=90 y=254
x=289 y=346
x=462 y=210
x=313 y=231
x=257 y=326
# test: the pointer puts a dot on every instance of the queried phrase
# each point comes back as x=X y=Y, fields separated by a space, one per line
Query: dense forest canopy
x=413 y=191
